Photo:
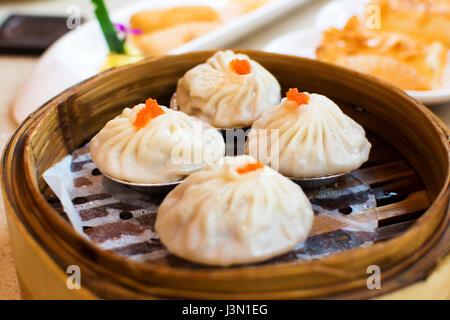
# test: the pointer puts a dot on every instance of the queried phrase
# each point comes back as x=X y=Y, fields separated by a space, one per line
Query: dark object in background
x=26 y=34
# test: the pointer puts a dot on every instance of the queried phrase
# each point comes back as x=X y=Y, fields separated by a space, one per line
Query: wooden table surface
x=15 y=69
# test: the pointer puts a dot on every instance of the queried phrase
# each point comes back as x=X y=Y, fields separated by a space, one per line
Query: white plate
x=81 y=53
x=303 y=43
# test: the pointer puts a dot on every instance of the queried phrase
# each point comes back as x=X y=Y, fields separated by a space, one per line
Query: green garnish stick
x=114 y=43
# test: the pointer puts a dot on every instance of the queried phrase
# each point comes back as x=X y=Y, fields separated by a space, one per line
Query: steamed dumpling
x=228 y=91
x=154 y=144
x=233 y=213
x=315 y=138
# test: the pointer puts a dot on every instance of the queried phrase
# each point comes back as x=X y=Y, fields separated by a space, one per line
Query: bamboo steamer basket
x=44 y=244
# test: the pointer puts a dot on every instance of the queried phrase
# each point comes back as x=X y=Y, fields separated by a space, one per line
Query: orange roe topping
x=299 y=97
x=150 y=111
x=250 y=167
x=241 y=67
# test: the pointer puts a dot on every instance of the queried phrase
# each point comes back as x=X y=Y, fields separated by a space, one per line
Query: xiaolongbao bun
x=157 y=145
x=233 y=213
x=315 y=138
x=228 y=91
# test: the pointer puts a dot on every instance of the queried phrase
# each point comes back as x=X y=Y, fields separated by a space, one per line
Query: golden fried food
x=154 y=20
x=246 y=6
x=162 y=41
x=428 y=20
x=397 y=58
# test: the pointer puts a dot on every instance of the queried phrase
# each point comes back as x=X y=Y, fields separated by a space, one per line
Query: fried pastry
x=397 y=58
x=150 y=21
x=162 y=41
x=166 y=29
x=428 y=20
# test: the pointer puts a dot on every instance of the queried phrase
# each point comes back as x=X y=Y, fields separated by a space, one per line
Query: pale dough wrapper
x=314 y=140
x=218 y=216
x=169 y=148
x=216 y=94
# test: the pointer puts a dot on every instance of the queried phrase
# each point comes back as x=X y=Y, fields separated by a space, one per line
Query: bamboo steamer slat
x=70 y=119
